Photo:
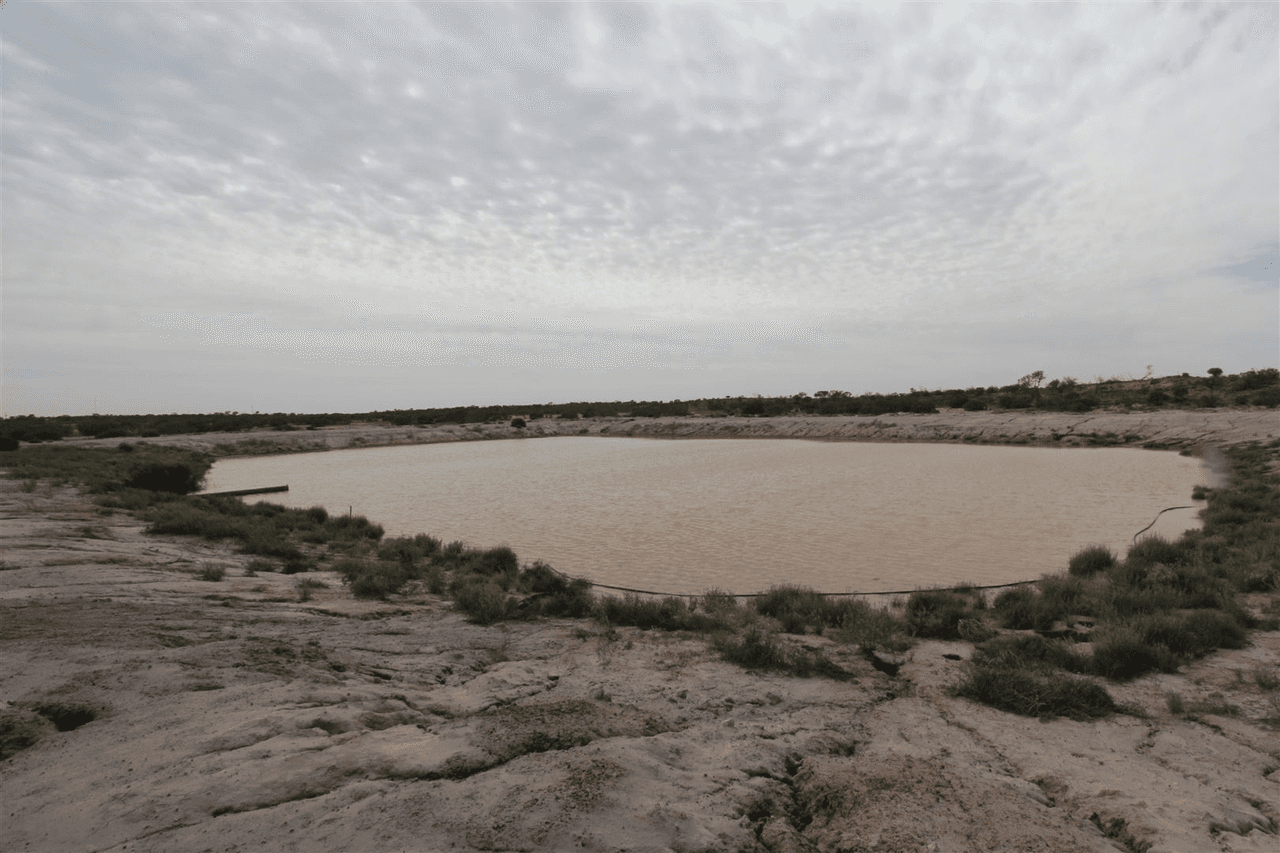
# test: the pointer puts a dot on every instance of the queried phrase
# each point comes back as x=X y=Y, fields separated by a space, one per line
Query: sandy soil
x=233 y=716
x=1169 y=428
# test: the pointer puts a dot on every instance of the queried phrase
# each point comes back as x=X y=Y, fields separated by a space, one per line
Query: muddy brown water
x=687 y=516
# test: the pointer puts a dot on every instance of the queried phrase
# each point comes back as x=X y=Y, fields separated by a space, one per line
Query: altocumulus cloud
x=355 y=206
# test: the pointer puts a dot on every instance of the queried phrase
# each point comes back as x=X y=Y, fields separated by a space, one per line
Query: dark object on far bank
x=177 y=478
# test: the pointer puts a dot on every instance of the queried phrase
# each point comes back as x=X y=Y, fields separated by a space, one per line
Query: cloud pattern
x=775 y=195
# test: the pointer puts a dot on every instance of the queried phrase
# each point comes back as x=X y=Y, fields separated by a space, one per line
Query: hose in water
x=893 y=592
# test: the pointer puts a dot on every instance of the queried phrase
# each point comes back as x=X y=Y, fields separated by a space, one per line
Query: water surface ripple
x=686 y=516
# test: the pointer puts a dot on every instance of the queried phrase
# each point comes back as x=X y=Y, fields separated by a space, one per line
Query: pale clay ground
x=235 y=717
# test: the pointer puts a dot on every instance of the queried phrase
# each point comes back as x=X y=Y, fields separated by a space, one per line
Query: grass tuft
x=1033 y=694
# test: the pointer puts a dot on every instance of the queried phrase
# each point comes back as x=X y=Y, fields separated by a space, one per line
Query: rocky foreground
x=250 y=713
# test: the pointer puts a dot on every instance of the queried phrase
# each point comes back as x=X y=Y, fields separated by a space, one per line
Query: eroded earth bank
x=233 y=715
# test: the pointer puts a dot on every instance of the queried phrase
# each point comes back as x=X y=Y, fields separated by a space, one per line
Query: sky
x=356 y=206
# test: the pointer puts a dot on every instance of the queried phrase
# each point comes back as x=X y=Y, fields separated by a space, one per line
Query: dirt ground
x=1171 y=428
x=234 y=715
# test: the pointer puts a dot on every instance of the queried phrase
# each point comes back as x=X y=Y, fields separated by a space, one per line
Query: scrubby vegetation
x=1038 y=694
x=1030 y=392
x=1165 y=604
x=756 y=648
x=139 y=470
x=1158 y=607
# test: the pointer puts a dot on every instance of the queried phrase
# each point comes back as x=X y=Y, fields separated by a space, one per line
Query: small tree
x=1032 y=380
x=1215 y=374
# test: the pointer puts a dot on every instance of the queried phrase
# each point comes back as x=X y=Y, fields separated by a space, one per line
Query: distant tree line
x=1031 y=392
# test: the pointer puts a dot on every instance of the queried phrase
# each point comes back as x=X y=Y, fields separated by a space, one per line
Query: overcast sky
x=348 y=206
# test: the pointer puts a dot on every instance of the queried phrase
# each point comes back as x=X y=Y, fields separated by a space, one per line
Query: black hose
x=893 y=592
x=1154 y=520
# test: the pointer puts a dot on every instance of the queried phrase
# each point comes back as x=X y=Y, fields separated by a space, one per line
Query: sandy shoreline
x=1167 y=428
x=232 y=715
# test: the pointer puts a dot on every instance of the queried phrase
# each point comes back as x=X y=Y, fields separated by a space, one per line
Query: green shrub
x=268 y=543
x=212 y=573
x=936 y=613
x=1017 y=608
x=872 y=628
x=1030 y=652
x=1032 y=694
x=757 y=650
x=717 y=602
x=1194 y=635
x=1062 y=595
x=1154 y=549
x=574 y=601
x=409 y=550
x=371 y=579
x=482 y=601
x=497 y=561
x=1269 y=397
x=1089 y=561
x=669 y=614
x=799 y=609
x=185 y=518
x=553 y=594
x=1123 y=655
x=178 y=478
x=353 y=527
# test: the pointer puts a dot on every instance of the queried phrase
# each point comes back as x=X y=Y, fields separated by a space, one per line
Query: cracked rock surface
x=232 y=716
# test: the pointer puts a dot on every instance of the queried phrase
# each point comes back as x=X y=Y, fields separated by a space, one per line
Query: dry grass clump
x=1037 y=694
x=757 y=649
x=936 y=614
